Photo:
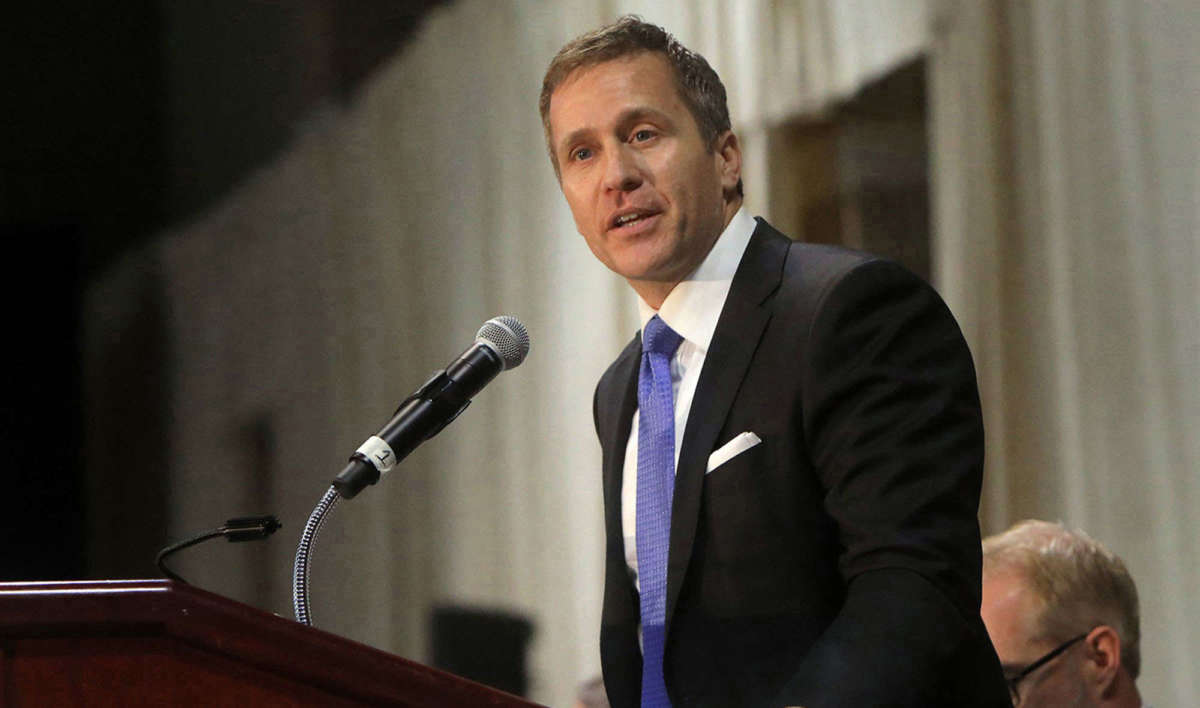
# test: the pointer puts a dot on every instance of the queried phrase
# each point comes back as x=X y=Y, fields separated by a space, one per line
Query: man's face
x=645 y=190
x=1010 y=611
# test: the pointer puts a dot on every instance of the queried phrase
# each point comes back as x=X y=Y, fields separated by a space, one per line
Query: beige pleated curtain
x=329 y=284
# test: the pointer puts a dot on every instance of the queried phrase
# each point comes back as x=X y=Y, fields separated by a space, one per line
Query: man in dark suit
x=792 y=445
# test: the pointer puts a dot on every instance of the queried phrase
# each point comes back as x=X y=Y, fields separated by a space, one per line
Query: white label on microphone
x=379 y=453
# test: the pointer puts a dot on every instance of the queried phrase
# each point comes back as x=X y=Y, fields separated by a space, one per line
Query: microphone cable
x=243 y=528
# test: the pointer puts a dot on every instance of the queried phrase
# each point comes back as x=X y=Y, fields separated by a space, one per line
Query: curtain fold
x=333 y=281
x=329 y=284
x=1065 y=152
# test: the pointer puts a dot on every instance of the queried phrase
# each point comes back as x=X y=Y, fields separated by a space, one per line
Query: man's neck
x=653 y=292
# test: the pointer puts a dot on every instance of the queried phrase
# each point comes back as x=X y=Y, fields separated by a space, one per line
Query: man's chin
x=644 y=261
x=643 y=275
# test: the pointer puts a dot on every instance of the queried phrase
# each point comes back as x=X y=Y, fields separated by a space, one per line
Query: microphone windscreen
x=508 y=337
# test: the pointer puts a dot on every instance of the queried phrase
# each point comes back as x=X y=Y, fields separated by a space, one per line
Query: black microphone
x=500 y=344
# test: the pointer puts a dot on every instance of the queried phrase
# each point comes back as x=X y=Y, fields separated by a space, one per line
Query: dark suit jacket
x=837 y=563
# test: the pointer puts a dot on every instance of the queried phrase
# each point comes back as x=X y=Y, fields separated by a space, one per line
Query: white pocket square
x=731 y=449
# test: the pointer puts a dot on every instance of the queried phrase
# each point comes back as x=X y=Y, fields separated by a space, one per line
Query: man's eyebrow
x=637 y=113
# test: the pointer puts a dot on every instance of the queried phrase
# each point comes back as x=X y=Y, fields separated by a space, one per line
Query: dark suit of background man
x=834 y=558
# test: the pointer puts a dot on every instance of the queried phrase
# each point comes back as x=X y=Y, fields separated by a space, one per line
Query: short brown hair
x=699 y=86
x=1081 y=584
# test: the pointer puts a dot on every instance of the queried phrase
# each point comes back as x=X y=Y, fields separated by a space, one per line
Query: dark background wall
x=83 y=179
x=119 y=120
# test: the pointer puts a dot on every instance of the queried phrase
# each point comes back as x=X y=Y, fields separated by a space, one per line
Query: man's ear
x=1103 y=661
x=729 y=155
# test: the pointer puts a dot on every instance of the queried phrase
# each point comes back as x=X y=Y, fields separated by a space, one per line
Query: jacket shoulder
x=811 y=271
x=812 y=266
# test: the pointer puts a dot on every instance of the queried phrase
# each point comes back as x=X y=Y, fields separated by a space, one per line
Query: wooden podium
x=160 y=643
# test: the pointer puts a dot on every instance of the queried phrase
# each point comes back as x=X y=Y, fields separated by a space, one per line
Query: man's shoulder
x=816 y=275
x=808 y=269
x=812 y=262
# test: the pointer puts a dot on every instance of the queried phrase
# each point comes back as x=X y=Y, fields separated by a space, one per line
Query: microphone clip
x=440 y=392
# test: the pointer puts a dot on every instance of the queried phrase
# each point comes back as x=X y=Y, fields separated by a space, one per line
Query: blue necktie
x=655 y=487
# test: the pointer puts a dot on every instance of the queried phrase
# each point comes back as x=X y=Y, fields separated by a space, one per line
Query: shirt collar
x=693 y=307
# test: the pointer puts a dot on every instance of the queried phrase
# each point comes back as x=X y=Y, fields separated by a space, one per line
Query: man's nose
x=622 y=172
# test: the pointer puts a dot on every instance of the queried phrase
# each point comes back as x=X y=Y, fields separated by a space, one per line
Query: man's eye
x=643 y=135
x=581 y=154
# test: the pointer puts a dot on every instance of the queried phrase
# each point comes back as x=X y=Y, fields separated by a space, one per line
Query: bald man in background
x=1062 y=612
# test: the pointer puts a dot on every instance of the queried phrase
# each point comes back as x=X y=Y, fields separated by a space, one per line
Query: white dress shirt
x=691 y=309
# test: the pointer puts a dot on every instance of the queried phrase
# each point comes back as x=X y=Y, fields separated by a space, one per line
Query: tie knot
x=658 y=338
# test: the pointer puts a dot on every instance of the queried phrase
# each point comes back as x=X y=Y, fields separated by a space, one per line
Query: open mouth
x=632 y=219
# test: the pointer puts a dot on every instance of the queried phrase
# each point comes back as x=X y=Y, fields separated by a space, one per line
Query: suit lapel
x=734 y=342
x=620 y=401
